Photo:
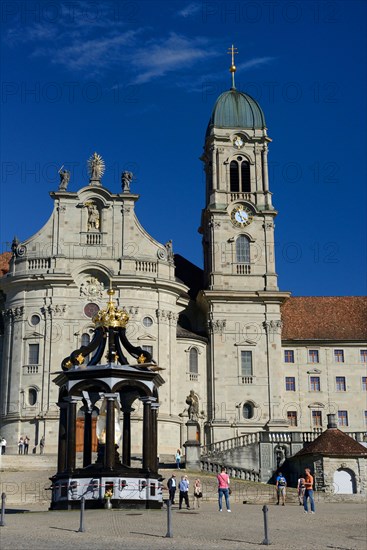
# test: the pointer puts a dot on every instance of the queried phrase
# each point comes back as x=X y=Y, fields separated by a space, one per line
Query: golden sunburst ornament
x=96 y=167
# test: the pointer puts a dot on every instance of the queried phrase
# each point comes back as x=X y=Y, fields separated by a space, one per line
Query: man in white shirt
x=171 y=485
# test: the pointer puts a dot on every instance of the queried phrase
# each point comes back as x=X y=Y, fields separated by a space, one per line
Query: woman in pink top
x=223 y=489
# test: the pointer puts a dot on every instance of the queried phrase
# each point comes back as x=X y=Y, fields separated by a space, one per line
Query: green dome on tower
x=234 y=109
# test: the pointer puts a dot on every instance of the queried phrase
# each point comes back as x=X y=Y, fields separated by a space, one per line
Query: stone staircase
x=28 y=462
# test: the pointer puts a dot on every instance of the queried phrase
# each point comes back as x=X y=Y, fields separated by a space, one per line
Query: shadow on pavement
x=65 y=529
x=147 y=534
x=15 y=511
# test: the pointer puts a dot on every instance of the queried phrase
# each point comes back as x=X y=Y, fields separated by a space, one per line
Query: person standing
x=281 y=484
x=223 y=489
x=42 y=445
x=308 y=492
x=21 y=446
x=197 y=493
x=3 y=445
x=184 y=493
x=26 y=444
x=301 y=489
x=178 y=458
x=171 y=486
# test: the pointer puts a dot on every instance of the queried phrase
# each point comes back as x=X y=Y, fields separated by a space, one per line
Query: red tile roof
x=334 y=442
x=4 y=263
x=325 y=318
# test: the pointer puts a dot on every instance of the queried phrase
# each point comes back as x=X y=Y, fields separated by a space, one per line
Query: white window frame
x=246 y=379
x=319 y=378
x=29 y=362
x=344 y=418
x=291 y=378
x=342 y=355
x=336 y=384
x=296 y=417
x=308 y=356
x=289 y=362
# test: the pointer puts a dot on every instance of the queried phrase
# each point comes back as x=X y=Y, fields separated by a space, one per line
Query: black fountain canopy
x=110 y=331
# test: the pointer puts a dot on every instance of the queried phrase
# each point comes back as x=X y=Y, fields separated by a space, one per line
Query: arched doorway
x=344 y=482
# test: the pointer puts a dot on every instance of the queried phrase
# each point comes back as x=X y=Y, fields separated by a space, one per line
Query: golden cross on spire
x=233 y=51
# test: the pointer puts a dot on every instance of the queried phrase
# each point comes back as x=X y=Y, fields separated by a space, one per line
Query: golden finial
x=233 y=51
x=111 y=316
x=141 y=358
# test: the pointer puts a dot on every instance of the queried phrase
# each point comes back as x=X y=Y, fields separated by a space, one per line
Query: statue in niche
x=126 y=179
x=93 y=216
x=64 y=179
x=193 y=405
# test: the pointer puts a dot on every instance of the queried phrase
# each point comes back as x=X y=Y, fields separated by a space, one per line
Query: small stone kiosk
x=339 y=463
x=108 y=390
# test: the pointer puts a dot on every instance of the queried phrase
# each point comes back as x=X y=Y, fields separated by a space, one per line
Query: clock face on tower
x=241 y=216
x=237 y=142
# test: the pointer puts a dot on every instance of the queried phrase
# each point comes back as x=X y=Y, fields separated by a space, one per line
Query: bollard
x=82 y=508
x=3 y=499
x=265 y=510
x=169 y=519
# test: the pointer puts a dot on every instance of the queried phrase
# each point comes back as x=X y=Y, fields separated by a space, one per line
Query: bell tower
x=241 y=295
x=238 y=221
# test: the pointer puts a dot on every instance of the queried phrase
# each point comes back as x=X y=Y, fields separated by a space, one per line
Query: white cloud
x=190 y=9
x=170 y=54
x=255 y=62
x=197 y=84
x=91 y=55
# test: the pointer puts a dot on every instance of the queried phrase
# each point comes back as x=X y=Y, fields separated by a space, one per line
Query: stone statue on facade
x=14 y=246
x=280 y=454
x=96 y=168
x=193 y=405
x=64 y=179
x=93 y=216
x=126 y=179
x=169 y=250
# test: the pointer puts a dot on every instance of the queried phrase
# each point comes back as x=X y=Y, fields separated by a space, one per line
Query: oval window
x=147 y=322
x=35 y=319
x=32 y=396
x=248 y=410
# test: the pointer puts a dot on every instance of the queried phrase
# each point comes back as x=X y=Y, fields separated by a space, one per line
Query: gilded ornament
x=80 y=359
x=111 y=316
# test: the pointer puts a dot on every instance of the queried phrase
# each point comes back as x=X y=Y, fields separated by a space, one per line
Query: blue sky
x=136 y=81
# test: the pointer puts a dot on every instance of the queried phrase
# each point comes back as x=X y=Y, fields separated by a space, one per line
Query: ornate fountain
x=107 y=392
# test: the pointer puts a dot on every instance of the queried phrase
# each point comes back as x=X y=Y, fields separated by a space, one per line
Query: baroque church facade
x=256 y=359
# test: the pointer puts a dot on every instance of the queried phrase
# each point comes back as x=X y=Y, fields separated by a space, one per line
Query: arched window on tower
x=234 y=176
x=243 y=250
x=239 y=171
x=245 y=177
